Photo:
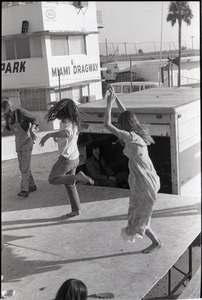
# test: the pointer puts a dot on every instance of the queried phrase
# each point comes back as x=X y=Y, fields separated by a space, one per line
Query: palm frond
x=179 y=10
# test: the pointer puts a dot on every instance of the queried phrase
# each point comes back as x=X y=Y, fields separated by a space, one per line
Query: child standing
x=144 y=183
x=64 y=170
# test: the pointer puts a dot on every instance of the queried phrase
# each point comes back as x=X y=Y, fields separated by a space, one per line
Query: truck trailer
x=172 y=116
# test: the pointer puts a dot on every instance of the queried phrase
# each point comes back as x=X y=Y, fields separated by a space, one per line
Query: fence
x=124 y=48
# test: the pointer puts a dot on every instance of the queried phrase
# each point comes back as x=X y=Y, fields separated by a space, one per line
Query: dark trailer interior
x=159 y=109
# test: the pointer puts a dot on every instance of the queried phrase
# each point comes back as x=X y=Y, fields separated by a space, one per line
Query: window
x=148 y=87
x=22 y=48
x=77 y=94
x=63 y=45
x=76 y=45
x=117 y=88
x=59 y=45
x=3 y=54
x=126 y=89
x=10 y=49
x=65 y=93
x=34 y=100
x=71 y=93
x=80 y=4
x=35 y=46
x=12 y=95
x=135 y=88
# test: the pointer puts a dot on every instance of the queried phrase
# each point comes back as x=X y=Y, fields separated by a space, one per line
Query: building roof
x=50 y=32
x=76 y=84
x=125 y=65
x=156 y=100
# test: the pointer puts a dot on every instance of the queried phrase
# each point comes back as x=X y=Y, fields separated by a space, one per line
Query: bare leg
x=156 y=243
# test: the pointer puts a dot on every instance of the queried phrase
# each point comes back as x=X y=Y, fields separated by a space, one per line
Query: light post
x=161 y=45
x=125 y=50
x=135 y=48
x=192 y=37
x=106 y=49
x=59 y=84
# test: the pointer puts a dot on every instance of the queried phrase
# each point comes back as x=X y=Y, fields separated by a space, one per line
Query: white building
x=153 y=70
x=50 y=50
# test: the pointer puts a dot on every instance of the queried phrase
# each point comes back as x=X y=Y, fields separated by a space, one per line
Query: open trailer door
x=173 y=118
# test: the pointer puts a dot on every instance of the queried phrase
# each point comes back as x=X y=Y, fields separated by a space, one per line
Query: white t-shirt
x=67 y=146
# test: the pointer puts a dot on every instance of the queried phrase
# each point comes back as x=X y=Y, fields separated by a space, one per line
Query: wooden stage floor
x=42 y=249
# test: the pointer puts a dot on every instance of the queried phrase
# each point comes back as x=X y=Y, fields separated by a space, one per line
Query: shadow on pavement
x=63 y=220
x=19 y=267
x=48 y=195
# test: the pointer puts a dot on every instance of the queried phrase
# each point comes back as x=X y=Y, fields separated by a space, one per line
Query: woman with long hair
x=143 y=180
x=72 y=289
x=64 y=170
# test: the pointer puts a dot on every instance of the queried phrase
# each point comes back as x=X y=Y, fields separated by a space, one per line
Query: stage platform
x=43 y=249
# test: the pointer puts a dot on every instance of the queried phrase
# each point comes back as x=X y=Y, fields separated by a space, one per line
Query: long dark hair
x=72 y=289
x=128 y=121
x=65 y=109
x=8 y=110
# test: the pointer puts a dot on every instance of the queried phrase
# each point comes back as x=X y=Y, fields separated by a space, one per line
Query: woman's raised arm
x=118 y=101
x=107 y=120
x=119 y=104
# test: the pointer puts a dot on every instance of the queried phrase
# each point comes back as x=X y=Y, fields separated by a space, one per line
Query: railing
x=190 y=80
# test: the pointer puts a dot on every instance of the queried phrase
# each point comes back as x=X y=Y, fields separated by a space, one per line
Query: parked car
x=125 y=87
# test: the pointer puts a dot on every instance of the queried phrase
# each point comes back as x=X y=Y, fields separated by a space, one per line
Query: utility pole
x=106 y=49
x=192 y=43
x=154 y=46
x=171 y=69
x=125 y=49
x=160 y=60
x=131 y=79
x=135 y=48
x=168 y=72
x=59 y=84
x=118 y=49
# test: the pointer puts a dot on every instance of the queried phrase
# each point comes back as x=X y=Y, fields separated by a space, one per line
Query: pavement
x=42 y=249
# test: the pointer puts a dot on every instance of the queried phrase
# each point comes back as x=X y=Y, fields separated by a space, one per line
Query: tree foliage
x=179 y=11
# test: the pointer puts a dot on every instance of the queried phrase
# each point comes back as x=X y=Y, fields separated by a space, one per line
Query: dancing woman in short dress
x=143 y=180
x=64 y=170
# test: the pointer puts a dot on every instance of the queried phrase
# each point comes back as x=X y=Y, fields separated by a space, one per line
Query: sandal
x=73 y=214
x=7 y=293
x=102 y=296
x=105 y=295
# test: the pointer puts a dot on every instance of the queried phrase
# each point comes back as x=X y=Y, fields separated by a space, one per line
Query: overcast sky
x=140 y=21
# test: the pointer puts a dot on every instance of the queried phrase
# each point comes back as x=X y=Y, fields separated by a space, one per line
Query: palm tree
x=179 y=11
